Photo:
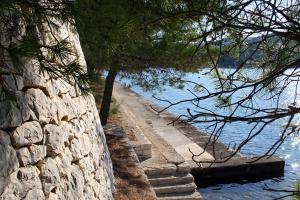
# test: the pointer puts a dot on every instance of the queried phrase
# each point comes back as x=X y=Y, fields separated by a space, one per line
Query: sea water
x=234 y=133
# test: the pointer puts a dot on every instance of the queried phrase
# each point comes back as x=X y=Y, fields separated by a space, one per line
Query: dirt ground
x=130 y=180
x=119 y=119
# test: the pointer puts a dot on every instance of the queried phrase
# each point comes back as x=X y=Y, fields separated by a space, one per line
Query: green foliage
x=115 y=108
x=296 y=196
x=223 y=100
x=97 y=87
x=21 y=25
x=128 y=33
x=106 y=29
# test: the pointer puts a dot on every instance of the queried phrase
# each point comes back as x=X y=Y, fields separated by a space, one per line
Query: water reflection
x=295 y=165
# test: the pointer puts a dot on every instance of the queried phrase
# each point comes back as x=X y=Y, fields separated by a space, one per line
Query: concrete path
x=171 y=160
x=166 y=169
x=140 y=109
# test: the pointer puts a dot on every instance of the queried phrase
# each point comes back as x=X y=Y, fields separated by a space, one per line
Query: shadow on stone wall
x=51 y=140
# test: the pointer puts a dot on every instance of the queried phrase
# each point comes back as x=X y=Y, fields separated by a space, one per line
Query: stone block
x=77 y=180
x=64 y=162
x=10 y=114
x=80 y=146
x=51 y=112
x=49 y=175
x=8 y=159
x=19 y=82
x=183 y=168
x=21 y=182
x=56 y=138
x=32 y=76
x=31 y=155
x=26 y=134
x=35 y=194
x=87 y=167
x=9 y=83
x=43 y=109
x=23 y=106
x=67 y=108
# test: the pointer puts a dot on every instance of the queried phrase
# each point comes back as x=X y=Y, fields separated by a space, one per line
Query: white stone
x=97 y=188
x=23 y=105
x=79 y=126
x=62 y=113
x=43 y=108
x=72 y=92
x=64 y=162
x=19 y=82
x=31 y=154
x=72 y=186
x=8 y=159
x=88 y=118
x=70 y=108
x=89 y=192
x=78 y=91
x=26 y=134
x=80 y=146
x=77 y=180
x=82 y=106
x=49 y=175
x=20 y=182
x=105 y=182
x=9 y=83
x=76 y=42
x=53 y=196
x=56 y=138
x=35 y=194
x=10 y=115
x=51 y=88
x=69 y=128
x=38 y=152
x=79 y=166
x=62 y=86
x=32 y=76
x=24 y=156
x=87 y=167
x=97 y=148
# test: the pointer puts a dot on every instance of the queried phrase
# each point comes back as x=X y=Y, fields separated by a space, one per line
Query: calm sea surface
x=290 y=150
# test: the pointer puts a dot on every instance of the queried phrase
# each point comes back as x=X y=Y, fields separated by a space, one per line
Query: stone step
x=156 y=169
x=147 y=130
x=182 y=196
x=184 y=188
x=160 y=180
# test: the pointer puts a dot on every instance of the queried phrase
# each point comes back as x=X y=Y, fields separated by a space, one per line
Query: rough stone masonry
x=52 y=144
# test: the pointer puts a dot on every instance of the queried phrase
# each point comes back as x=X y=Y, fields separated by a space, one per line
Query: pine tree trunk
x=107 y=94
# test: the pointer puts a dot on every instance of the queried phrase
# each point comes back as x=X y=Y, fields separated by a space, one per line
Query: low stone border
x=131 y=181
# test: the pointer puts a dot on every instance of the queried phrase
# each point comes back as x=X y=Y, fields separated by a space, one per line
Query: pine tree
x=21 y=23
x=129 y=36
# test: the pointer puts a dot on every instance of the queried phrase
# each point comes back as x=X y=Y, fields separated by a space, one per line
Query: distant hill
x=250 y=45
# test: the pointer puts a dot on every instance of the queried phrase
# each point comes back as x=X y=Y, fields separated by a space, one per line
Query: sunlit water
x=290 y=150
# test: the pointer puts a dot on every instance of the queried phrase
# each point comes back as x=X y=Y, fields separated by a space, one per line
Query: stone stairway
x=170 y=184
x=167 y=170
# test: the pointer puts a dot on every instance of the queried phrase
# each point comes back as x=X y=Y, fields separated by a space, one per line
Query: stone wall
x=52 y=144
